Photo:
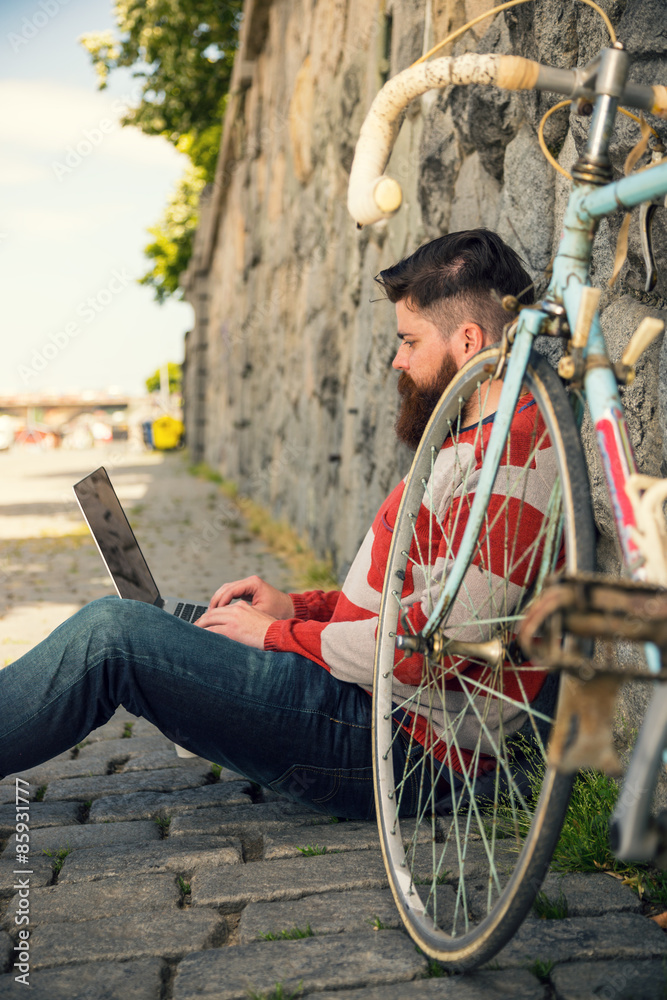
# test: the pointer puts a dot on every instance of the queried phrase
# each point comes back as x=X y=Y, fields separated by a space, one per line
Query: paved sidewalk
x=155 y=878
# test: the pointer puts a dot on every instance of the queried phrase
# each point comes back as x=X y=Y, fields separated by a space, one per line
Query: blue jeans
x=276 y=718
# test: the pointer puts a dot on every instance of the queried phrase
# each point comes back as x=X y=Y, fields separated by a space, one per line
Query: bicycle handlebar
x=372 y=195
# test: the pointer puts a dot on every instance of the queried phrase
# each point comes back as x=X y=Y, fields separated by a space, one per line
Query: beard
x=418 y=403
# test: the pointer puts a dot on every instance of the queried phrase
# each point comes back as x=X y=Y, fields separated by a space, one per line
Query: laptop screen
x=115 y=539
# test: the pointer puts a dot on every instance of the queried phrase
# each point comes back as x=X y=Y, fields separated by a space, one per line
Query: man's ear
x=467 y=340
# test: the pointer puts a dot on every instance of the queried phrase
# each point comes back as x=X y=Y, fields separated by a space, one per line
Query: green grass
x=312 y=849
x=40 y=793
x=541 y=968
x=127 y=731
x=583 y=845
x=293 y=934
x=216 y=771
x=435 y=970
x=584 y=840
x=58 y=859
x=163 y=823
x=440 y=879
x=203 y=471
x=550 y=909
x=185 y=890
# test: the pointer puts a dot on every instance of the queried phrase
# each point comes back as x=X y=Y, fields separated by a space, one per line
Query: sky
x=77 y=194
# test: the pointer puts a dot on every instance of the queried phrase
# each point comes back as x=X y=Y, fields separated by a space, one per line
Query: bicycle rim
x=488 y=810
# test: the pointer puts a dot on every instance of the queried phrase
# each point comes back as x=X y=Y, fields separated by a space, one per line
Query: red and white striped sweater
x=338 y=629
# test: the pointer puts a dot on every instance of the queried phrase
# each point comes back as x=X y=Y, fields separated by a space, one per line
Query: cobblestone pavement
x=154 y=877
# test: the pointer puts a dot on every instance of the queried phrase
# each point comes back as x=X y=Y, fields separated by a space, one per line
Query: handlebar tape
x=371 y=194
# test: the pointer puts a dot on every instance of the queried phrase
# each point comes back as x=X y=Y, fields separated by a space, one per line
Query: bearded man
x=274 y=686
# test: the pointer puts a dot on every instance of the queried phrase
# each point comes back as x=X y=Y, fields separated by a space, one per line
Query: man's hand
x=262 y=596
x=239 y=621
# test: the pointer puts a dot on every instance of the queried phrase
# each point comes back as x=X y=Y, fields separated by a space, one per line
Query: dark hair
x=459 y=277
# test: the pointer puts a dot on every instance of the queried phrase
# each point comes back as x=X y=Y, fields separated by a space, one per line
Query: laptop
x=120 y=550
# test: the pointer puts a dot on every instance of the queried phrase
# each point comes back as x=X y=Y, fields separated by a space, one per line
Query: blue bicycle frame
x=635 y=834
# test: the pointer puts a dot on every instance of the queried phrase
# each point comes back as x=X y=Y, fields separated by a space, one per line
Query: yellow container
x=167 y=433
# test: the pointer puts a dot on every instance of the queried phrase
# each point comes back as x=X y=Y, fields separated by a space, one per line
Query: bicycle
x=492 y=796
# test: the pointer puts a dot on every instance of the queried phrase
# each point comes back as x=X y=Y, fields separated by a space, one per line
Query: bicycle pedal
x=582 y=735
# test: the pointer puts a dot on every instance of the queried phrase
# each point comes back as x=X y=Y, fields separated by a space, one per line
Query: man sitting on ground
x=276 y=686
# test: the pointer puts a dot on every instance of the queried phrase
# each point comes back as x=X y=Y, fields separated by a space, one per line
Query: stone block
x=285 y=842
x=94 y=758
x=183 y=857
x=589 y=895
x=237 y=820
x=328 y=913
x=490 y=985
x=40 y=869
x=165 y=780
x=41 y=814
x=107 y=897
x=141 y=980
x=115 y=728
x=8 y=783
x=525 y=209
x=580 y=939
x=610 y=980
x=476 y=193
x=291 y=878
x=131 y=748
x=313 y=964
x=144 y=805
x=80 y=837
x=333 y=836
x=137 y=935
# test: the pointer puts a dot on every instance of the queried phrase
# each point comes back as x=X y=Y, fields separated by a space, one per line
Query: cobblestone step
x=185 y=855
x=108 y=897
x=134 y=980
x=232 y=888
x=143 y=805
x=615 y=980
x=91 y=788
x=474 y=986
x=580 y=939
x=118 y=938
x=312 y=965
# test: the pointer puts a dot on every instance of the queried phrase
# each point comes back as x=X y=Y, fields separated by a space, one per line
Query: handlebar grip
x=659 y=100
x=372 y=195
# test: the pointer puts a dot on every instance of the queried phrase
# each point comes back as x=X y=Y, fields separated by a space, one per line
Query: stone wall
x=289 y=388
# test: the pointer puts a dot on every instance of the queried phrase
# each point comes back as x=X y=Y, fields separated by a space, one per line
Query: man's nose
x=400 y=362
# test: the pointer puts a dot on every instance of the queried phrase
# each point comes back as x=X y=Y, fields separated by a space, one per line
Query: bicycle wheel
x=475 y=716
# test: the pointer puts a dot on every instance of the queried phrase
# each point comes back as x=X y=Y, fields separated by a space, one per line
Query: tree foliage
x=182 y=54
x=173 y=236
x=175 y=379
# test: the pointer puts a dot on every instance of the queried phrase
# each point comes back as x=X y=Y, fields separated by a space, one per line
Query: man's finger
x=228 y=591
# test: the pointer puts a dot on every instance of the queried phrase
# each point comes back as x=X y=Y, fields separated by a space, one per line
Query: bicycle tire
x=500 y=841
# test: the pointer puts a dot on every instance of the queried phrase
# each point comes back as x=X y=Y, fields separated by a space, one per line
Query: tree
x=175 y=379
x=182 y=52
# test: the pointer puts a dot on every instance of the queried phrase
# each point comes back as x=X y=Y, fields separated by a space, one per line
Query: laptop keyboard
x=190 y=612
